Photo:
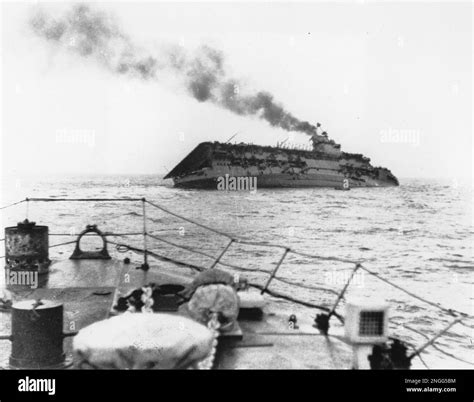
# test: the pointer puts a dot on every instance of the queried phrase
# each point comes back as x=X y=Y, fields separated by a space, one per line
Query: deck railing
x=459 y=316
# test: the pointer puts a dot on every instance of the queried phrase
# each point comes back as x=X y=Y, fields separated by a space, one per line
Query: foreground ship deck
x=88 y=286
x=265 y=342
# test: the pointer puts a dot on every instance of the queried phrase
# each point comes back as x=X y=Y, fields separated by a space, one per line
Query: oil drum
x=27 y=247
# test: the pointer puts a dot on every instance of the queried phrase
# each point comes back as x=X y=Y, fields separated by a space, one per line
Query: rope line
x=297 y=301
x=238 y=268
x=446 y=310
x=81 y=199
x=434 y=346
x=465 y=325
x=189 y=220
x=423 y=361
x=91 y=234
x=160 y=257
x=11 y=205
x=63 y=244
x=190 y=249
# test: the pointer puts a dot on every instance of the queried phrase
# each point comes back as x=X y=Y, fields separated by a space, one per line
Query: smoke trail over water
x=94 y=34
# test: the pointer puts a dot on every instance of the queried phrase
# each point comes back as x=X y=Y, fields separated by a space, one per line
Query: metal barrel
x=27 y=247
x=37 y=334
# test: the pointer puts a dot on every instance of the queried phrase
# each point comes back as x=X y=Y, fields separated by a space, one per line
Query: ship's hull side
x=283 y=180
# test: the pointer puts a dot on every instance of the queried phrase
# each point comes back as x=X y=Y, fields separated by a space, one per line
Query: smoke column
x=94 y=34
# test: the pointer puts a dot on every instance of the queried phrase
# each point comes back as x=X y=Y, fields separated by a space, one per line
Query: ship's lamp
x=366 y=324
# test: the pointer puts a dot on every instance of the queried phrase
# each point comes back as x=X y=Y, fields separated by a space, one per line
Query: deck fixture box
x=366 y=321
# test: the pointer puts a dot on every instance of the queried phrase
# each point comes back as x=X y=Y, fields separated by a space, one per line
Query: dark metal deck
x=87 y=288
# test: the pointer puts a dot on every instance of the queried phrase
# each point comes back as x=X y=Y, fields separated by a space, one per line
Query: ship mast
x=230 y=139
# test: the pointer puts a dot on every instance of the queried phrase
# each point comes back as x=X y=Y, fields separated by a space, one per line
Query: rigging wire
x=11 y=205
x=434 y=346
x=239 y=268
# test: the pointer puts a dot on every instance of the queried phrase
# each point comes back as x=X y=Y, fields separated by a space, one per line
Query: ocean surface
x=418 y=235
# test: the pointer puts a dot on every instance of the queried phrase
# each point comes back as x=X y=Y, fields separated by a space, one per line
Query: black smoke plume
x=94 y=34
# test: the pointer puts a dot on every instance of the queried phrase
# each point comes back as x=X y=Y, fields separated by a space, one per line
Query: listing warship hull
x=325 y=165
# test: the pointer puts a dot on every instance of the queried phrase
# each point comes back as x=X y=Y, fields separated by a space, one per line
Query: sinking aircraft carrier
x=325 y=165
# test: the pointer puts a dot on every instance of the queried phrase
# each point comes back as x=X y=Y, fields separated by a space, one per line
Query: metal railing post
x=275 y=271
x=145 y=240
x=216 y=261
x=341 y=295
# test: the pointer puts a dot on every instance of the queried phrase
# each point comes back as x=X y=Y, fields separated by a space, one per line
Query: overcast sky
x=391 y=81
